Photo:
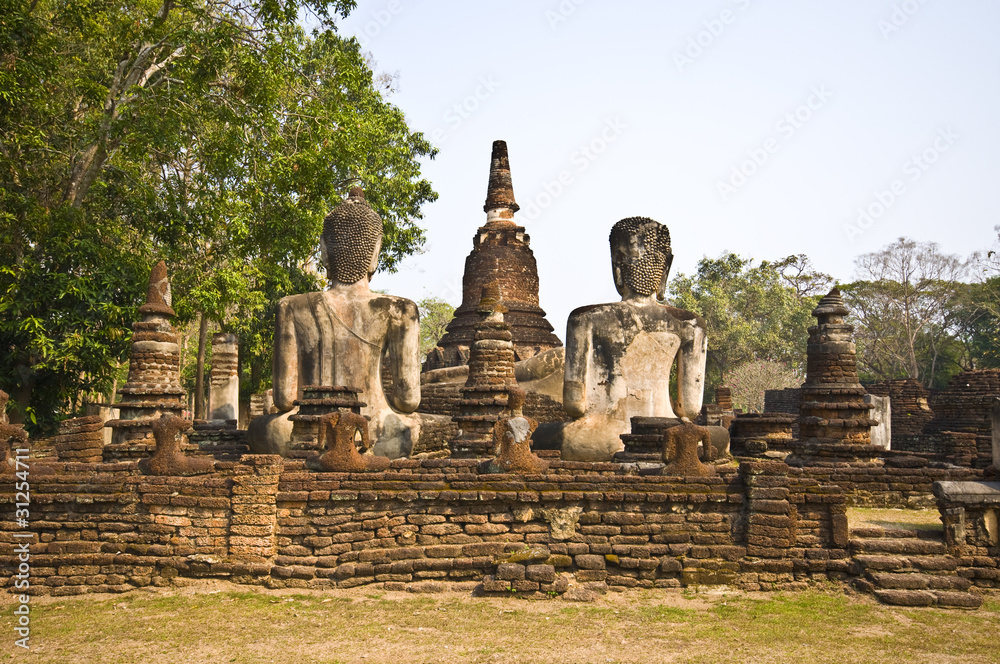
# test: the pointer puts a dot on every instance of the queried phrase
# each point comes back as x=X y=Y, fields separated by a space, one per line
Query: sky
x=763 y=127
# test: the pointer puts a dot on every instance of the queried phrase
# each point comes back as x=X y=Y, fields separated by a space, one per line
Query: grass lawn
x=217 y=622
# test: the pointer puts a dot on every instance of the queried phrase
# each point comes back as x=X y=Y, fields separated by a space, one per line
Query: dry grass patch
x=927 y=521
x=219 y=623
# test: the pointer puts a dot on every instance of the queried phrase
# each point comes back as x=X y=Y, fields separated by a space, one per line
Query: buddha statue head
x=352 y=239
x=640 y=257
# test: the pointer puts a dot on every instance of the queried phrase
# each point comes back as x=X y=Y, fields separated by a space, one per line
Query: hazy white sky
x=765 y=127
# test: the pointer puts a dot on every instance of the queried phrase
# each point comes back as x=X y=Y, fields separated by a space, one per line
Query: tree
x=750 y=380
x=799 y=274
x=435 y=314
x=752 y=312
x=901 y=307
x=214 y=134
x=975 y=324
x=979 y=311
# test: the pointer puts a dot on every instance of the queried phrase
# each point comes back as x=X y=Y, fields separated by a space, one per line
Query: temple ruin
x=341 y=480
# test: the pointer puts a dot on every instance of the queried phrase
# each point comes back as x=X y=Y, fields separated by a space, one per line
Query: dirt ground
x=218 y=622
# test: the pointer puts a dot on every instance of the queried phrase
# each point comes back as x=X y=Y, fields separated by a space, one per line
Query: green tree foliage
x=435 y=314
x=213 y=134
x=906 y=309
x=753 y=312
x=979 y=312
x=976 y=325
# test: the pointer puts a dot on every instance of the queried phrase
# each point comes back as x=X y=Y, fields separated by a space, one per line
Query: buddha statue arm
x=285 y=367
x=691 y=372
x=404 y=358
x=578 y=340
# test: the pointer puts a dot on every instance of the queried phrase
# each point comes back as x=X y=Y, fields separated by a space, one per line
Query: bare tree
x=900 y=304
x=798 y=273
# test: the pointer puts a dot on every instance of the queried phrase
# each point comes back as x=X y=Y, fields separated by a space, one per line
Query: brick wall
x=901 y=480
x=426 y=524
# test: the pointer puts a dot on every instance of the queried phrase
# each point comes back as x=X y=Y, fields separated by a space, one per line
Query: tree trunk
x=199 y=381
x=21 y=394
x=256 y=371
x=86 y=167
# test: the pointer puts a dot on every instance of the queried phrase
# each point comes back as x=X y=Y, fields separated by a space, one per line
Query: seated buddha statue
x=339 y=337
x=619 y=355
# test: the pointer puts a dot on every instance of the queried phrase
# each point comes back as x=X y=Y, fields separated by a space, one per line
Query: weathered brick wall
x=106 y=528
x=965 y=406
x=433 y=524
x=902 y=480
x=796 y=528
x=956 y=448
x=449 y=524
x=910 y=407
x=423 y=525
x=786 y=400
x=440 y=398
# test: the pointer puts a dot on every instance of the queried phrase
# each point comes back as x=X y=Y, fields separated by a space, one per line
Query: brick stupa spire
x=153 y=388
x=500 y=192
x=500 y=253
x=834 y=420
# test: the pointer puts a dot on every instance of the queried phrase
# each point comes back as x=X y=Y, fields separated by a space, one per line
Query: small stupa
x=153 y=388
x=834 y=420
x=491 y=375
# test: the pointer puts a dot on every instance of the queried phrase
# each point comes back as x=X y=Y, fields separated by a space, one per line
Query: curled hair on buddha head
x=643 y=268
x=352 y=236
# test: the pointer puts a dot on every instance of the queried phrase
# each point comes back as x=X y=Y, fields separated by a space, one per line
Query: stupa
x=500 y=253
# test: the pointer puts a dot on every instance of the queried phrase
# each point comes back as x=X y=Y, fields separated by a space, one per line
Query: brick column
x=254 y=520
x=771 y=517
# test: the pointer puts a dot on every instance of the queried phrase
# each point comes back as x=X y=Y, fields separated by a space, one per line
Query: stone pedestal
x=881 y=411
x=80 y=439
x=220 y=438
x=773 y=429
x=645 y=442
x=224 y=379
x=317 y=401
